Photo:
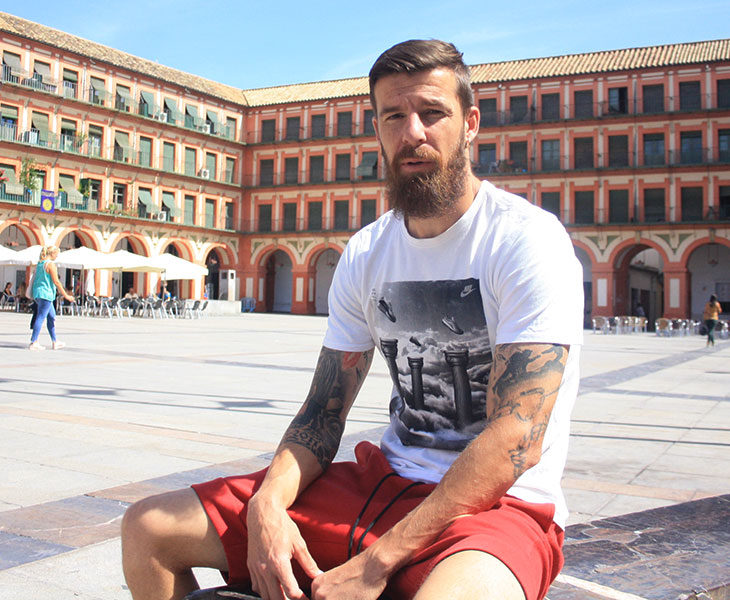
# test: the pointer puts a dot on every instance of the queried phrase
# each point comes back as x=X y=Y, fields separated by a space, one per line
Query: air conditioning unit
x=204 y=173
x=162 y=216
x=161 y=117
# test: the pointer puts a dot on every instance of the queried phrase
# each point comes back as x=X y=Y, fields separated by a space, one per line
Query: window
x=344 y=123
x=121 y=146
x=268 y=130
x=144 y=202
x=518 y=155
x=342 y=167
x=12 y=69
x=723 y=145
x=583 y=104
x=38 y=129
x=690 y=143
x=292 y=128
x=145 y=152
x=119 y=196
x=290 y=216
x=518 y=109
x=94 y=189
x=314 y=216
x=42 y=77
x=211 y=122
x=487 y=157
x=68 y=135
x=168 y=156
x=291 y=170
x=723 y=93
x=97 y=91
x=189 y=210
x=210 y=213
x=191 y=161
x=96 y=134
x=230 y=175
x=654 y=210
x=550 y=155
x=70 y=83
x=368 y=167
x=367 y=212
x=550 y=201
x=192 y=120
x=8 y=122
x=168 y=206
x=228 y=207
x=689 y=95
x=172 y=114
x=724 y=203
x=618 y=206
x=123 y=98
x=488 y=112
x=583 y=152
x=550 y=107
x=319 y=123
x=211 y=164
x=367 y=123
x=584 y=207
x=618 y=100
x=266 y=168
x=342 y=215
x=618 y=151
x=146 y=104
x=653 y=98
x=316 y=169
x=691 y=204
x=654 y=149
x=231 y=128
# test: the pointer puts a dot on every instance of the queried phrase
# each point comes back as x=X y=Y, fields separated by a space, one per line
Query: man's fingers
x=305 y=560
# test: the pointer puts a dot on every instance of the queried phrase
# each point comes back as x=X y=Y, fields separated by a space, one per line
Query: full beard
x=429 y=194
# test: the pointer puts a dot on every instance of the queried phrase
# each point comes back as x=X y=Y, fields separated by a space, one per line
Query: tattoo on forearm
x=319 y=424
x=527 y=380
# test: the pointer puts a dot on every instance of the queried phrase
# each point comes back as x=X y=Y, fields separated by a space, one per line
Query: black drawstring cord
x=362 y=512
x=382 y=512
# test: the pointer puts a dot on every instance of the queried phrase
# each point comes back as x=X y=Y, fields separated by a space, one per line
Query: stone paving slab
x=133 y=407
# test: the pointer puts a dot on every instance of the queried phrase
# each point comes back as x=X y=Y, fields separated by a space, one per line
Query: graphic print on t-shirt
x=434 y=337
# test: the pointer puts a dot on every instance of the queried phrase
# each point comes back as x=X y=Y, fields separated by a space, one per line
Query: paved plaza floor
x=132 y=407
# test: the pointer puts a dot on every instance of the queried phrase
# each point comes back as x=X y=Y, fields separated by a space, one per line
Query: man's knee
x=471 y=574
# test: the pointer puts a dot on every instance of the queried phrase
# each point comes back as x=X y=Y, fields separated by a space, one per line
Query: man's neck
x=430 y=227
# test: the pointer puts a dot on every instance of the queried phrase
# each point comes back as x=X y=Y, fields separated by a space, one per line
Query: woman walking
x=711 y=315
x=45 y=284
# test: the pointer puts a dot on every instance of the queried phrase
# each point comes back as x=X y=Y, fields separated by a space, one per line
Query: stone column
x=416 y=365
x=390 y=351
x=458 y=361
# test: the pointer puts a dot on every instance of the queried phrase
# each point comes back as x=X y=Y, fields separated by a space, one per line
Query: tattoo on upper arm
x=524 y=388
x=319 y=424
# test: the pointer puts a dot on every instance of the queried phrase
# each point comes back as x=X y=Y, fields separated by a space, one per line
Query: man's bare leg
x=468 y=575
x=163 y=537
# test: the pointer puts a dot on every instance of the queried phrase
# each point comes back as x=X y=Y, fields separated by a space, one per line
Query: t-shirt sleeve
x=347 y=328
x=538 y=286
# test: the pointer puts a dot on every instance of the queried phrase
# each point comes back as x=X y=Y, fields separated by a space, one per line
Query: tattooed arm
x=523 y=386
x=306 y=450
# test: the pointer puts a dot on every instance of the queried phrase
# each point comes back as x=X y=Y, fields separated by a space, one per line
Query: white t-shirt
x=505 y=272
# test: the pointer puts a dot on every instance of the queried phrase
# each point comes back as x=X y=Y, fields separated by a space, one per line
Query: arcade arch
x=324 y=270
x=708 y=273
x=278 y=282
x=129 y=280
x=17 y=236
x=639 y=280
x=585 y=261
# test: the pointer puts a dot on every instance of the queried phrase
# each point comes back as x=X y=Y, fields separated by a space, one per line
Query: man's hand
x=357 y=579
x=273 y=541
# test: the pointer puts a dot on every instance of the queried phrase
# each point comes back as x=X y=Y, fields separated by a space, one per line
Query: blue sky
x=250 y=44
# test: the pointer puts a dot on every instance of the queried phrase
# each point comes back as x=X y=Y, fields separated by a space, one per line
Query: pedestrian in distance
x=711 y=316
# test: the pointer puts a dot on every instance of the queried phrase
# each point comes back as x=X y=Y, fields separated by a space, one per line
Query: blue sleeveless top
x=43 y=286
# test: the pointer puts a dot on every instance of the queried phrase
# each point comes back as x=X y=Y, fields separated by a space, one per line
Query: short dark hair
x=414 y=56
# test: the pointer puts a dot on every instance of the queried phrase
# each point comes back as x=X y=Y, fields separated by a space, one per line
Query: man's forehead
x=437 y=82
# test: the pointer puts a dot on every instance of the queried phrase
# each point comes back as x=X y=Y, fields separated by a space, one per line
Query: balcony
x=348 y=224
x=326 y=176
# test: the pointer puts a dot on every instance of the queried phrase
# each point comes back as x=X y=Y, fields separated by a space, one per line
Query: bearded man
x=474 y=298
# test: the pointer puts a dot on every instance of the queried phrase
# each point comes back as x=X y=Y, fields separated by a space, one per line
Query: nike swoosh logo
x=467 y=290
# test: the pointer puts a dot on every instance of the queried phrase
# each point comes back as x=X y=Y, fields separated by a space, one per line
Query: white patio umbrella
x=7 y=254
x=85 y=258
x=123 y=260
x=26 y=256
x=177 y=268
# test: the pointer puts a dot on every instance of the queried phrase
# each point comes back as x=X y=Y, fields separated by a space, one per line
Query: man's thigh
x=468 y=575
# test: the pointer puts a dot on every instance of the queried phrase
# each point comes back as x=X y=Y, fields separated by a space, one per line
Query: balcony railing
x=270 y=179
x=300 y=224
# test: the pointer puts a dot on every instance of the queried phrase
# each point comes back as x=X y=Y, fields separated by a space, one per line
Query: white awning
x=13 y=61
x=44 y=70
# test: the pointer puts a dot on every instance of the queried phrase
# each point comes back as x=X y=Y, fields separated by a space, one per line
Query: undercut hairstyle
x=415 y=56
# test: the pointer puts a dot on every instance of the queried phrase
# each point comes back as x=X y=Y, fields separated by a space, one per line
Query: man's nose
x=414 y=132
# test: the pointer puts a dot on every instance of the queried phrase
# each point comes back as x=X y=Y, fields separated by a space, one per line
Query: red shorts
x=520 y=534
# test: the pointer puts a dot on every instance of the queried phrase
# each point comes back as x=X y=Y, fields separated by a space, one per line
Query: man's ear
x=471 y=124
x=375 y=127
